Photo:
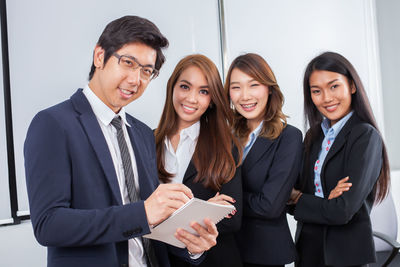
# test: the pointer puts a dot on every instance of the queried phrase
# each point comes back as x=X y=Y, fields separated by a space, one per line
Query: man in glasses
x=91 y=168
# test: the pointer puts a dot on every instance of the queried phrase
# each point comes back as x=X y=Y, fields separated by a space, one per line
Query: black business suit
x=268 y=174
x=341 y=226
x=225 y=252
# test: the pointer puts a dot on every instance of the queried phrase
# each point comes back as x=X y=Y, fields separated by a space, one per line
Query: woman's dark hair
x=131 y=29
x=334 y=62
x=274 y=119
x=212 y=157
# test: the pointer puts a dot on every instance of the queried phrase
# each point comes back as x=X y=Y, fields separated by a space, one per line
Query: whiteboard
x=5 y=209
x=51 y=45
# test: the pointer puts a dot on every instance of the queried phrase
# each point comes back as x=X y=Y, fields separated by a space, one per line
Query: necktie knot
x=116 y=122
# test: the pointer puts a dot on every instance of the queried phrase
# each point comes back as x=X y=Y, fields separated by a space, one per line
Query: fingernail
x=233 y=200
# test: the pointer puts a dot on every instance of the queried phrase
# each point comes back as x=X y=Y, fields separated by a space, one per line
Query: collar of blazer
x=191 y=172
x=340 y=140
x=95 y=135
x=259 y=148
x=145 y=180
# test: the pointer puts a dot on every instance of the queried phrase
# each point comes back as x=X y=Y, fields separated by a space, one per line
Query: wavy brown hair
x=274 y=119
x=334 y=62
x=212 y=157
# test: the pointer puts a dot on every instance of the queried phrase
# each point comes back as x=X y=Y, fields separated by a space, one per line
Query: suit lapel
x=260 y=146
x=95 y=135
x=340 y=140
x=145 y=186
x=190 y=172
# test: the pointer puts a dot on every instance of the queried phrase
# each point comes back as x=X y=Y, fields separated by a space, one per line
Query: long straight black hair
x=334 y=62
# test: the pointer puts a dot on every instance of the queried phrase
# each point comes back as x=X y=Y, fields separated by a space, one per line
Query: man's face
x=116 y=85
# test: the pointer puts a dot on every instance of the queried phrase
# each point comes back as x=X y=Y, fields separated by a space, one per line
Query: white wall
x=18 y=247
x=389 y=43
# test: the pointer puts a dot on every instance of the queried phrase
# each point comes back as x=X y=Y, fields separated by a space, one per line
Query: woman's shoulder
x=364 y=129
x=292 y=131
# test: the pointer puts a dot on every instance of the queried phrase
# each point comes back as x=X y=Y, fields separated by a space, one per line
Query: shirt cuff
x=194 y=256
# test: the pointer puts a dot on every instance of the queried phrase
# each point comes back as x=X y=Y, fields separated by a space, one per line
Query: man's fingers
x=180 y=188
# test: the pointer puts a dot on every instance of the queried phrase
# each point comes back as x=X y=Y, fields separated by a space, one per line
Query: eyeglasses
x=129 y=63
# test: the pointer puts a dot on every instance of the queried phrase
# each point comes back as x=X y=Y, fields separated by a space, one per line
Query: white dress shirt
x=104 y=116
x=176 y=162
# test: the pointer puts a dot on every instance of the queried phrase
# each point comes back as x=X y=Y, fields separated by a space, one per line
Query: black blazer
x=269 y=172
x=347 y=234
x=225 y=252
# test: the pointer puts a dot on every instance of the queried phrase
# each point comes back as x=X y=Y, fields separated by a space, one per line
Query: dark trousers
x=310 y=248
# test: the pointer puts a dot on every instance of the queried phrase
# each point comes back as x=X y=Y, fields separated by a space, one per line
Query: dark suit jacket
x=75 y=201
x=268 y=173
x=347 y=234
x=226 y=252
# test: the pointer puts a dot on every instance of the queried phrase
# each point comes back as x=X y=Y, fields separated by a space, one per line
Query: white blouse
x=176 y=162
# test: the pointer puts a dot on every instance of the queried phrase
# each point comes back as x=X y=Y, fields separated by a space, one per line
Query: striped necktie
x=133 y=193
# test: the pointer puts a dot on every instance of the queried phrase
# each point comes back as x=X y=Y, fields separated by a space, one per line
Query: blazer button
x=124 y=265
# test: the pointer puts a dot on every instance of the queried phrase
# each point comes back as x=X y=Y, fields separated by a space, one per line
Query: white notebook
x=194 y=210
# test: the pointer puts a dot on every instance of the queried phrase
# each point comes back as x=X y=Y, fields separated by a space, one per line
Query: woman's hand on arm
x=342 y=186
x=294 y=197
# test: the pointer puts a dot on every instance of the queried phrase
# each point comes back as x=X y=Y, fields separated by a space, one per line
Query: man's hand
x=165 y=200
x=198 y=244
x=341 y=187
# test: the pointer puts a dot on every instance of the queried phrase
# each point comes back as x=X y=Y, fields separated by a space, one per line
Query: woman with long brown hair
x=195 y=146
x=343 y=148
x=271 y=161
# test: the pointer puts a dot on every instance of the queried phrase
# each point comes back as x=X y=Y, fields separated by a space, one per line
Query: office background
x=50 y=46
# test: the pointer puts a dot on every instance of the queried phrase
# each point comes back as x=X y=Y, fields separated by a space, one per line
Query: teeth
x=248 y=105
x=188 y=108
x=331 y=107
x=126 y=92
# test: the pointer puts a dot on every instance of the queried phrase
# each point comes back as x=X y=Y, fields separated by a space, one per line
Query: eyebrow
x=316 y=86
x=144 y=65
x=249 y=81
x=332 y=81
x=202 y=86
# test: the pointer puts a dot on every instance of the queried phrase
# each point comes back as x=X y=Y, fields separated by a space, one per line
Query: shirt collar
x=101 y=110
x=326 y=123
x=257 y=130
x=192 y=131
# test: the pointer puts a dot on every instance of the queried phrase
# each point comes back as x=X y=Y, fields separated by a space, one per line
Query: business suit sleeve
x=233 y=189
x=270 y=202
x=49 y=173
x=363 y=163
